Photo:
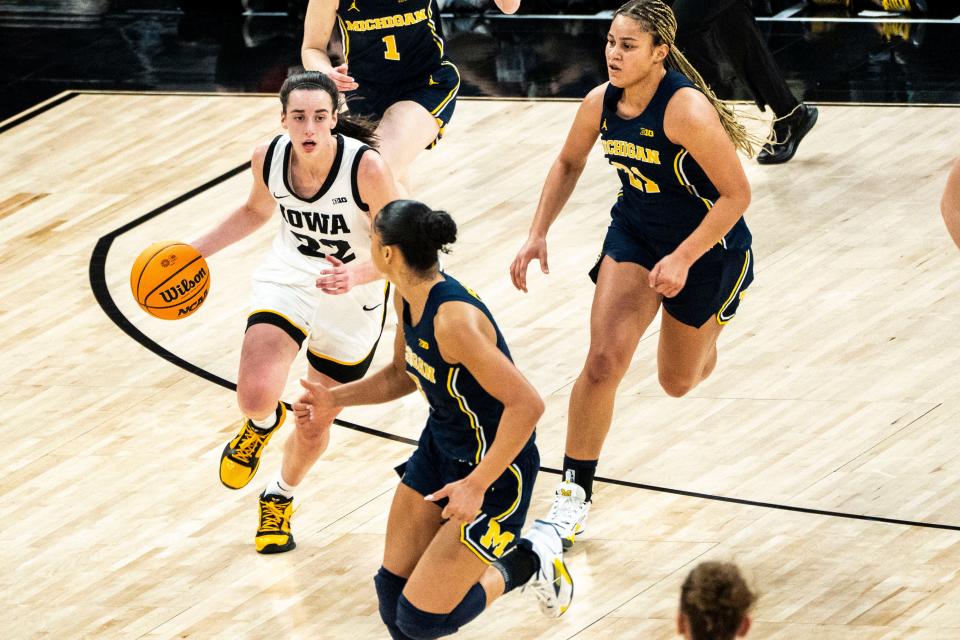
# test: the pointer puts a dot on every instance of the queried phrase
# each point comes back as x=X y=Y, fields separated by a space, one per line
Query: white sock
x=278 y=487
x=266 y=423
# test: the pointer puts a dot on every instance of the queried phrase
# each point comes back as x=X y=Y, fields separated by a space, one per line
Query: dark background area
x=48 y=46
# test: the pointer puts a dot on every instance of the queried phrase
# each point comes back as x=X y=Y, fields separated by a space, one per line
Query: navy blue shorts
x=505 y=504
x=715 y=283
x=437 y=93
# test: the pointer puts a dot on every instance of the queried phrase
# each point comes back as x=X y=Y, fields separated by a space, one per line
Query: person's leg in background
x=706 y=26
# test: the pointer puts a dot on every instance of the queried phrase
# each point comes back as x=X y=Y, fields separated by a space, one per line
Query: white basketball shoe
x=552 y=584
x=569 y=512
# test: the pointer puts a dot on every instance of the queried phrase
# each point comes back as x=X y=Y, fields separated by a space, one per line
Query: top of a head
x=655 y=16
x=417 y=230
x=309 y=81
x=715 y=598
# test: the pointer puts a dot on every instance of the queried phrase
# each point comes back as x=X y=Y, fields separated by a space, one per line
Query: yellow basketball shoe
x=273 y=534
x=241 y=457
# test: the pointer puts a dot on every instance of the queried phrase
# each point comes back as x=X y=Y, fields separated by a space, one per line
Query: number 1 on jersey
x=391 y=53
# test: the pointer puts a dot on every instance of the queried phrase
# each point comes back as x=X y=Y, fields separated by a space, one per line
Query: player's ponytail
x=657 y=18
x=418 y=231
x=356 y=127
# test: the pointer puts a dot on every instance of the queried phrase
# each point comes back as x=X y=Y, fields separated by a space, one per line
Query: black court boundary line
x=98 y=284
x=55 y=102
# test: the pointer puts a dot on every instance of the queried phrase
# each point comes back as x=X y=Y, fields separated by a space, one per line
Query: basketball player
x=395 y=69
x=950 y=203
x=677 y=238
x=317 y=284
x=714 y=603
x=465 y=491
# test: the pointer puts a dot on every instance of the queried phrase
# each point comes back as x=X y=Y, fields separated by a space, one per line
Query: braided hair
x=656 y=18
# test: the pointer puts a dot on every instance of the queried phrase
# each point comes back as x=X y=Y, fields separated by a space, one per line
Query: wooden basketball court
x=836 y=389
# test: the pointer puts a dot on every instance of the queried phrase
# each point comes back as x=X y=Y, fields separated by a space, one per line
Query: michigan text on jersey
x=387 y=22
x=417 y=363
x=630 y=150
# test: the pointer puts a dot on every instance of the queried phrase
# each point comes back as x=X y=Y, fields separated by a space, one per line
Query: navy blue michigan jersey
x=665 y=193
x=390 y=41
x=463 y=417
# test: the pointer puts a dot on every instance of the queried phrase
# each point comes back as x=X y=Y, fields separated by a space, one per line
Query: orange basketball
x=170 y=280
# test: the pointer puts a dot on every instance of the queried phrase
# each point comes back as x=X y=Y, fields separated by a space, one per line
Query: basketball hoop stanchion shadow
x=98 y=284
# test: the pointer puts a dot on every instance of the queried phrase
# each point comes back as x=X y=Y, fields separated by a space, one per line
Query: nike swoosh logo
x=366 y=308
x=279 y=196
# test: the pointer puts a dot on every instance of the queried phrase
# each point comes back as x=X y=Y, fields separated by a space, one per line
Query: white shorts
x=342 y=331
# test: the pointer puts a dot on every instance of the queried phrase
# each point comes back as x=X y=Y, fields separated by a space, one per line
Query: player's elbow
x=533 y=407
x=536 y=406
x=256 y=216
x=743 y=195
x=571 y=168
x=738 y=198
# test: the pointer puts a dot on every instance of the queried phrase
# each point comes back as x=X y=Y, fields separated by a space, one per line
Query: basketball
x=170 y=280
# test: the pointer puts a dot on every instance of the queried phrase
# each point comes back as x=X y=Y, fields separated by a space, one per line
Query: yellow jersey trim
x=516 y=472
x=453 y=92
x=465 y=408
x=433 y=29
x=736 y=288
x=277 y=313
x=468 y=543
x=345 y=35
x=681 y=176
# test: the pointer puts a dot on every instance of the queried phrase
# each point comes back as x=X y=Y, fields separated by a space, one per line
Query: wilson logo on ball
x=184 y=286
x=170 y=280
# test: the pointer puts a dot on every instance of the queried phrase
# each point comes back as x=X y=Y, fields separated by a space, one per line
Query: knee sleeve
x=421 y=625
x=389 y=588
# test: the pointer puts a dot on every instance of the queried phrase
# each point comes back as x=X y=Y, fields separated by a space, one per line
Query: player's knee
x=676 y=384
x=421 y=625
x=256 y=400
x=389 y=587
x=315 y=431
x=605 y=366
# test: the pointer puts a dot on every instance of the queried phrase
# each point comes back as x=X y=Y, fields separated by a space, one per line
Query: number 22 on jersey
x=391 y=53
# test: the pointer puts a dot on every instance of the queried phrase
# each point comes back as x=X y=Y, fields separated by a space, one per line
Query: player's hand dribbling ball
x=170 y=280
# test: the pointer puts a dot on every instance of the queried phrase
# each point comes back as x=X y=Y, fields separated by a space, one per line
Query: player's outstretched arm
x=692 y=122
x=560 y=183
x=950 y=203
x=465 y=336
x=508 y=6
x=254 y=213
x=388 y=384
x=317 y=27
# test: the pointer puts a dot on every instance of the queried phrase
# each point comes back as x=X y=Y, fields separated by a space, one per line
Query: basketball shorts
x=494 y=531
x=715 y=283
x=437 y=93
x=341 y=331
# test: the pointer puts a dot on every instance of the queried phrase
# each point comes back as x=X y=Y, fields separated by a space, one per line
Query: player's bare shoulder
x=593 y=102
x=259 y=157
x=372 y=168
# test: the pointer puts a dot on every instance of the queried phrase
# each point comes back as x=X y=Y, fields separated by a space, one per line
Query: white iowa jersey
x=331 y=222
